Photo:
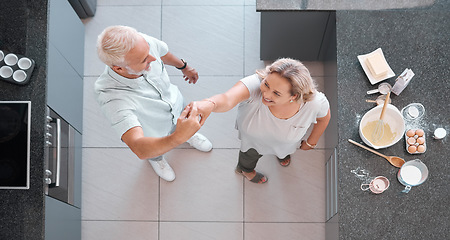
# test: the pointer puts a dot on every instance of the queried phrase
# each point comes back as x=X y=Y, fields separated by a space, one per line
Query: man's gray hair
x=114 y=43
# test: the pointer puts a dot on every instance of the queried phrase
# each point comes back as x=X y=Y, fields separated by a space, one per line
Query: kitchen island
x=24 y=31
x=415 y=39
x=414 y=35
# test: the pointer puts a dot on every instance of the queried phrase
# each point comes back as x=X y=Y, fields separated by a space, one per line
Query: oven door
x=15 y=125
x=60 y=155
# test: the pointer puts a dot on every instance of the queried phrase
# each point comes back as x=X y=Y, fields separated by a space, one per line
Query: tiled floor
x=122 y=196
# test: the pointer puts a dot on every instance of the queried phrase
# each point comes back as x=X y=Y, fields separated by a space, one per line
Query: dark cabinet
x=300 y=35
x=65 y=70
x=65 y=63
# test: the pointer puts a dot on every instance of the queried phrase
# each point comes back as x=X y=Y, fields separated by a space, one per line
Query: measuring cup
x=383 y=88
x=380 y=100
x=377 y=185
x=412 y=173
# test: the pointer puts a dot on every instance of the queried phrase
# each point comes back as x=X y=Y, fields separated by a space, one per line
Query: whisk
x=378 y=132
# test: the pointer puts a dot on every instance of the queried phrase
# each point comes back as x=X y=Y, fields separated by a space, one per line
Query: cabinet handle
x=58 y=151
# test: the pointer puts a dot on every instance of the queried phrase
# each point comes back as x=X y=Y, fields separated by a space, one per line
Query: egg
x=420 y=140
x=410 y=133
x=412 y=149
x=411 y=141
x=421 y=148
x=420 y=132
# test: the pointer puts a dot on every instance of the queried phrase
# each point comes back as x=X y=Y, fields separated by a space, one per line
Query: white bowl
x=392 y=117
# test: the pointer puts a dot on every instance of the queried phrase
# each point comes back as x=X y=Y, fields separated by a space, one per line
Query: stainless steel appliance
x=59 y=158
x=15 y=125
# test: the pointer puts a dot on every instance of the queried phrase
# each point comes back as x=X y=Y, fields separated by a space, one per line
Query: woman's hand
x=204 y=107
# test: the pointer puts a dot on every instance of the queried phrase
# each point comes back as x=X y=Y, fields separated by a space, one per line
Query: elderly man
x=143 y=107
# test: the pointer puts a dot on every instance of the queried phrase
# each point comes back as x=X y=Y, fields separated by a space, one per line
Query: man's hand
x=190 y=74
x=188 y=123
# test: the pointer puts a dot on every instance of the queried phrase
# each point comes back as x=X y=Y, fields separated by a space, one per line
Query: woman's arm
x=316 y=132
x=222 y=102
x=189 y=73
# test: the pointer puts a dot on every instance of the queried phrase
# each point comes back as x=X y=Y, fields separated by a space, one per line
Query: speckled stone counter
x=23 y=30
x=281 y=5
x=418 y=40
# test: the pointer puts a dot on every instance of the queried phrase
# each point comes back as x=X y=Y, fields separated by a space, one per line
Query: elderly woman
x=276 y=107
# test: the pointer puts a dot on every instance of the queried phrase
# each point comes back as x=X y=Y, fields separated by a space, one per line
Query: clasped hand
x=188 y=123
x=204 y=109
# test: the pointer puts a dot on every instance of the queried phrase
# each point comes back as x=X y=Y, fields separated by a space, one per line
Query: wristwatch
x=184 y=66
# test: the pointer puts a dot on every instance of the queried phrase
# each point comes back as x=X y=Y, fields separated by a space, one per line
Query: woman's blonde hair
x=297 y=75
x=114 y=43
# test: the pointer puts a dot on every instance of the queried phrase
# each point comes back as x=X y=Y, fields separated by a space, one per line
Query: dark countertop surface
x=23 y=30
x=288 y=5
x=418 y=40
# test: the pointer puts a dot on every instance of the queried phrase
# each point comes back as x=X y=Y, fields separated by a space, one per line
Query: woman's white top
x=260 y=129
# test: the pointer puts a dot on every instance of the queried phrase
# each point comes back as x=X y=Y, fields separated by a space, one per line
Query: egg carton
x=415 y=141
x=15 y=68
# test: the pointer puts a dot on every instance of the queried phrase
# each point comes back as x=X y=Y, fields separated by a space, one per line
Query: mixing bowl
x=392 y=117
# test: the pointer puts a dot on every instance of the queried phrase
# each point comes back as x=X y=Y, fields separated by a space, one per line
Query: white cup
x=1 y=55
x=24 y=63
x=11 y=59
x=19 y=76
x=6 y=72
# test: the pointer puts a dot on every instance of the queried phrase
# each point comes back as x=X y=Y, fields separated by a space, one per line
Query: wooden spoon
x=395 y=161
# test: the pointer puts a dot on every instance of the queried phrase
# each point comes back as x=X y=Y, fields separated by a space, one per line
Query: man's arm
x=150 y=147
x=189 y=73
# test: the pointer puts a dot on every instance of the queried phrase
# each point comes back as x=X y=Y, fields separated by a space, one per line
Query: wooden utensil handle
x=368 y=149
x=386 y=102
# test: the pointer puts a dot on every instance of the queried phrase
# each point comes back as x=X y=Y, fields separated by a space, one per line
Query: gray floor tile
x=252 y=41
x=206 y=187
x=110 y=230
x=146 y=19
x=129 y=2
x=270 y=231
x=251 y=2
x=293 y=194
x=118 y=186
x=320 y=81
x=122 y=196
x=201 y=231
x=315 y=68
x=204 y=2
x=211 y=38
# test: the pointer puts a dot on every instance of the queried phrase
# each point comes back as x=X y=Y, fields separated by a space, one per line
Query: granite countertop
x=282 y=5
x=418 y=40
x=24 y=31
